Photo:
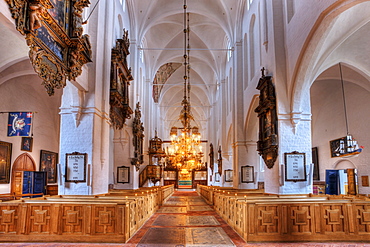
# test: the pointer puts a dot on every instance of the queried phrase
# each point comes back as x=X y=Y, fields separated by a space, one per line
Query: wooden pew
x=112 y=218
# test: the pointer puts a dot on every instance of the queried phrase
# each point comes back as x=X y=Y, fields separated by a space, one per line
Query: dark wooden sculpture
x=267 y=145
x=120 y=81
x=138 y=132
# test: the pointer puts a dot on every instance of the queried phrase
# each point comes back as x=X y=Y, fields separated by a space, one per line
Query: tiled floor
x=186 y=220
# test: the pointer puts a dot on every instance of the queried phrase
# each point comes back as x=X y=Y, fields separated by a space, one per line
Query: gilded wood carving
x=267 y=145
x=58 y=50
x=138 y=132
x=120 y=82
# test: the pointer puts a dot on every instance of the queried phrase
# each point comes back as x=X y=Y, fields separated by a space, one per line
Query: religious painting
x=49 y=41
x=123 y=174
x=295 y=166
x=26 y=144
x=48 y=164
x=247 y=174
x=76 y=167
x=5 y=159
x=59 y=12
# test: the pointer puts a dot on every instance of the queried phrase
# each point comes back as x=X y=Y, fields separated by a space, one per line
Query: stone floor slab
x=199 y=208
x=207 y=236
x=172 y=210
x=170 y=220
x=163 y=237
x=201 y=221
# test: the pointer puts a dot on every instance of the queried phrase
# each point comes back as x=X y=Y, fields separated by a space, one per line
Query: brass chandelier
x=185 y=152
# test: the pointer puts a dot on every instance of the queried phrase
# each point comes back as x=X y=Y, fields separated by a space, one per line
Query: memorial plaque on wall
x=295 y=167
x=76 y=167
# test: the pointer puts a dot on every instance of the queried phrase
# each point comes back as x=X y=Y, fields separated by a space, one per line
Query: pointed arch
x=23 y=162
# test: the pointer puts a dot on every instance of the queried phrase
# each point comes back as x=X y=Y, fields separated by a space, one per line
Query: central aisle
x=186 y=220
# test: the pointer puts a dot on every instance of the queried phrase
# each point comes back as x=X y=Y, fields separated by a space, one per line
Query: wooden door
x=27 y=182
x=39 y=183
x=332 y=182
x=24 y=162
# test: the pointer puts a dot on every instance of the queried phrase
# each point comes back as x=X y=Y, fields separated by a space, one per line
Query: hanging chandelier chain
x=344 y=98
x=185 y=151
x=188 y=56
x=185 y=51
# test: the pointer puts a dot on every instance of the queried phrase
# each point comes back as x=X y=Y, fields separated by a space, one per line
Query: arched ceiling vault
x=159 y=27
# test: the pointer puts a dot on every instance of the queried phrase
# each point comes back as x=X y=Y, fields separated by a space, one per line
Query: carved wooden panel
x=39 y=219
x=9 y=219
x=267 y=219
x=104 y=219
x=300 y=219
x=363 y=218
x=333 y=218
x=72 y=219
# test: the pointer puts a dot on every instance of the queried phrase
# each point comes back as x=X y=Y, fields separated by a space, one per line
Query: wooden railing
x=14 y=196
x=112 y=218
x=259 y=217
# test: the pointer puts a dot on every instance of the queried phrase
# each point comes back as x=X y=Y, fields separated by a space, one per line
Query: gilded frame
x=5 y=161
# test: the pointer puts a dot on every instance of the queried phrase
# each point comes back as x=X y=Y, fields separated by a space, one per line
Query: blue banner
x=19 y=123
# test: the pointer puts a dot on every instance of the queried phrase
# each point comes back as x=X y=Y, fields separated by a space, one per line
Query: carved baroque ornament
x=53 y=30
x=138 y=139
x=267 y=145
x=120 y=81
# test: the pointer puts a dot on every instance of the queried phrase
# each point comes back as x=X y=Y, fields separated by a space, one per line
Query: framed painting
x=123 y=174
x=247 y=174
x=27 y=143
x=48 y=164
x=228 y=175
x=295 y=166
x=76 y=167
x=5 y=162
x=59 y=12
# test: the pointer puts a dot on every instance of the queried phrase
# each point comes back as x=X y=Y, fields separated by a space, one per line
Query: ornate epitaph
x=138 y=132
x=120 y=81
x=267 y=145
x=58 y=50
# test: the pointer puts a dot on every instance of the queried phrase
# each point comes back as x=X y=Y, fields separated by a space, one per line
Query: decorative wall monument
x=58 y=50
x=120 y=81
x=267 y=145
x=138 y=133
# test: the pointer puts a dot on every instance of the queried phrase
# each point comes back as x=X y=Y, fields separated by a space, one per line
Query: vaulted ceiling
x=159 y=30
